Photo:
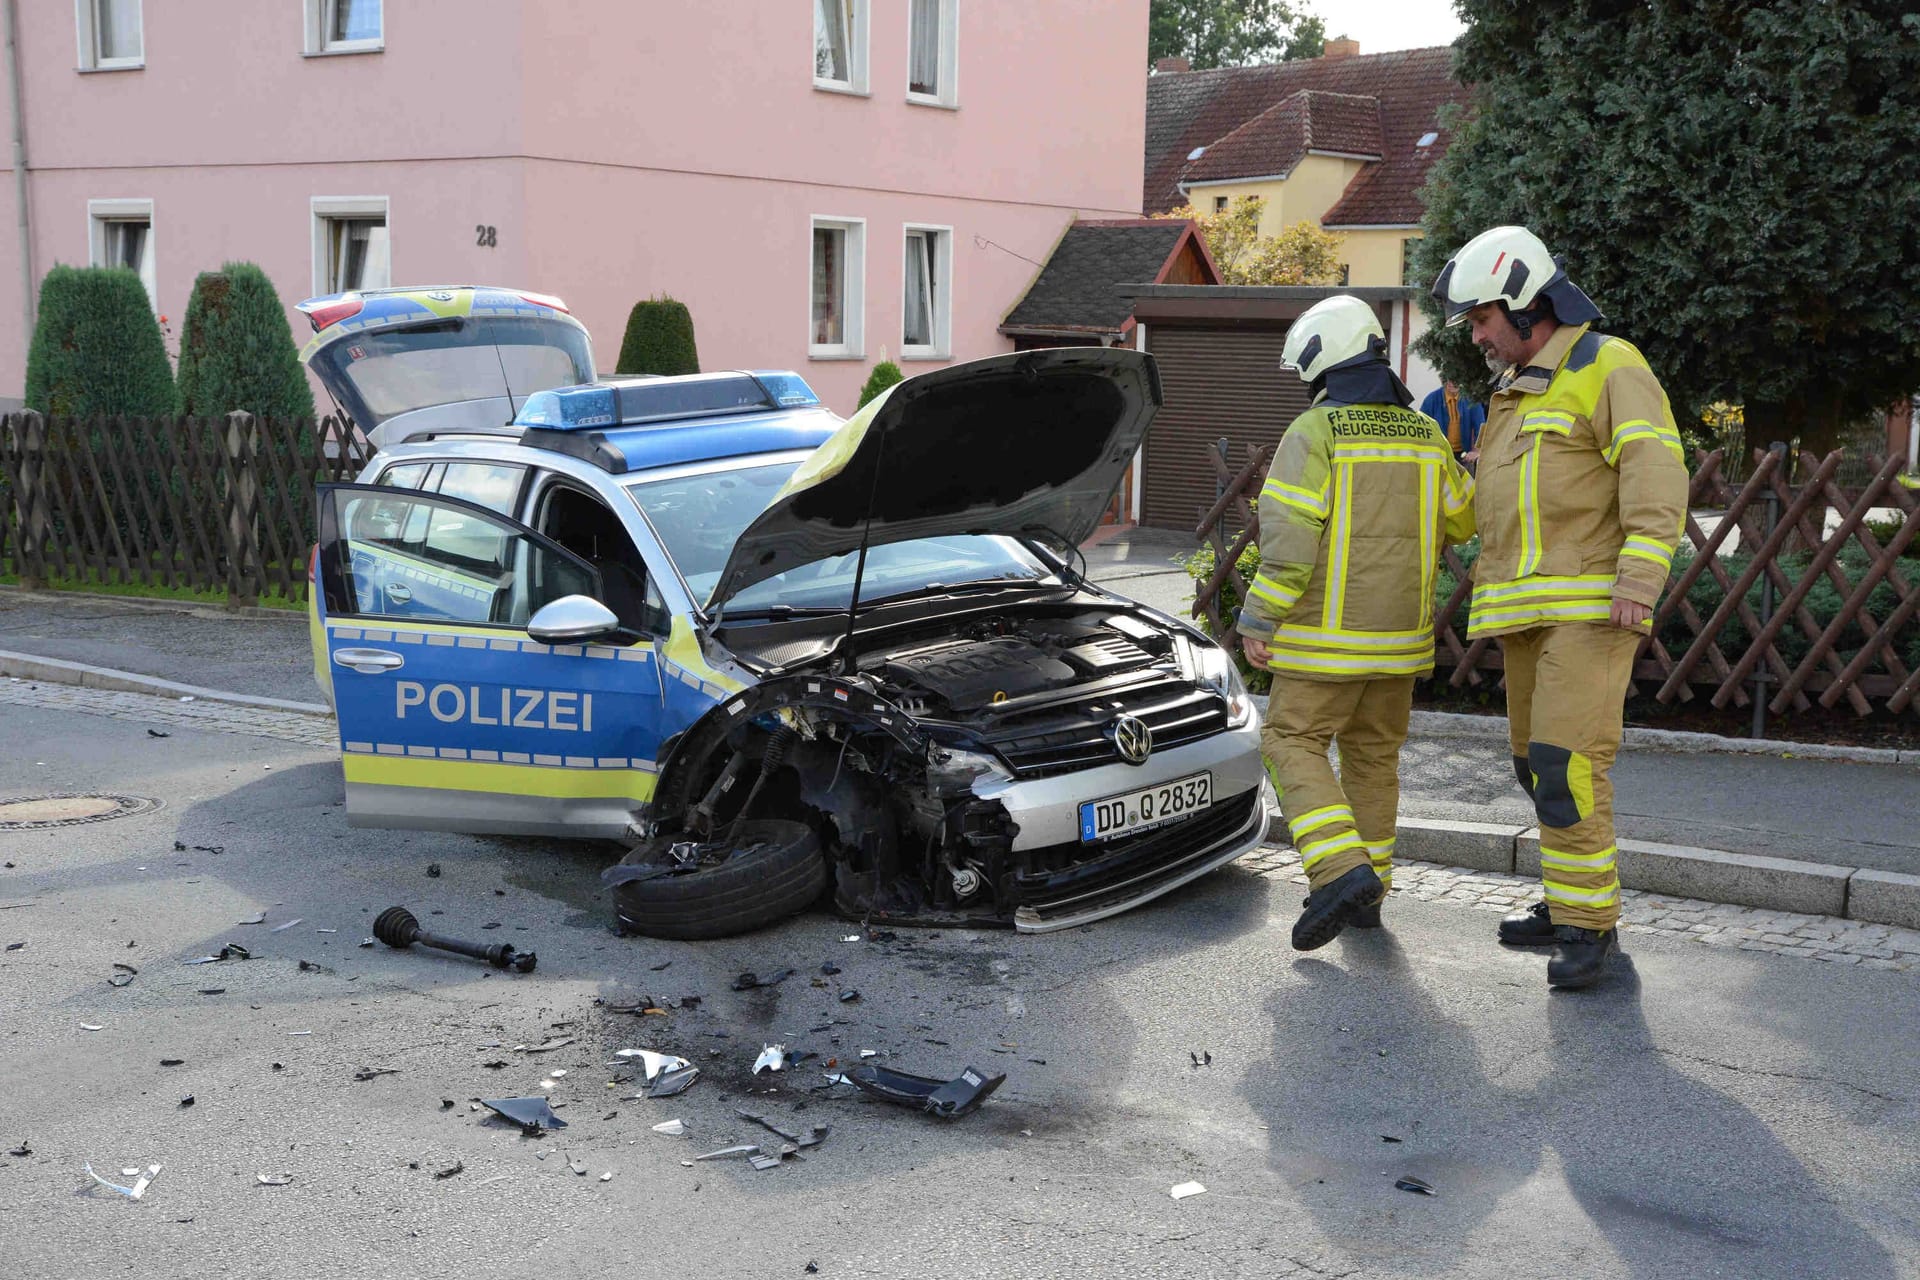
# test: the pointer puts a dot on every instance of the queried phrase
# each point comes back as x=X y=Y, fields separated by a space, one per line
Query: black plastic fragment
x=531 y=1114
x=458 y=1166
x=122 y=974
x=22 y=1150
x=172 y=1062
x=948 y=1099
x=187 y=1101
x=433 y=871
x=1387 y=1137
x=849 y=996
x=155 y=733
x=749 y=980
x=1415 y=1185
x=829 y=968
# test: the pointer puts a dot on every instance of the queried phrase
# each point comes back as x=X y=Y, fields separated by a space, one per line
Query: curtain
x=354 y=20
x=832 y=20
x=918 y=304
x=923 y=58
x=117 y=28
x=360 y=257
x=829 y=328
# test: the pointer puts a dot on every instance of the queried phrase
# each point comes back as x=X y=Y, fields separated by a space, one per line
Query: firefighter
x=1362 y=493
x=1582 y=490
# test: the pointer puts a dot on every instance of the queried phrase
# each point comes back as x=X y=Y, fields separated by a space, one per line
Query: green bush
x=884 y=375
x=236 y=349
x=659 y=339
x=96 y=348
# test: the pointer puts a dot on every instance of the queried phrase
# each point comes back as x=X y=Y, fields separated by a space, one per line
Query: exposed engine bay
x=895 y=759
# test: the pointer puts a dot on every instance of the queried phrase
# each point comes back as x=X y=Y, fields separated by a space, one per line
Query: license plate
x=1148 y=807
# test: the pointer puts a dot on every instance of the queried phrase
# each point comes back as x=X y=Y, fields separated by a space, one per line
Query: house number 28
x=484 y=236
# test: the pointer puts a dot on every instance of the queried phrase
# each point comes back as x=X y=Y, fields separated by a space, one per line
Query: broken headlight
x=1210 y=665
x=951 y=771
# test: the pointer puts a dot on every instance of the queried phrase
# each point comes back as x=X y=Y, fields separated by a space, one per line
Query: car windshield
x=465 y=358
x=699 y=517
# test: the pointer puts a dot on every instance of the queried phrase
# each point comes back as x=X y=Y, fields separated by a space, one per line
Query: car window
x=493 y=485
x=413 y=557
x=586 y=526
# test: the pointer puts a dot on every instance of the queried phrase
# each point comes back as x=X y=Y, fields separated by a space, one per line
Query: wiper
x=779 y=613
x=959 y=588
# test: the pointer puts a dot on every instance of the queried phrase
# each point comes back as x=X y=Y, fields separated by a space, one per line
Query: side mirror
x=571 y=620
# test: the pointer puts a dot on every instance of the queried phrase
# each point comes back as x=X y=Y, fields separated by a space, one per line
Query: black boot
x=1329 y=910
x=1579 y=955
x=1530 y=928
x=1368 y=917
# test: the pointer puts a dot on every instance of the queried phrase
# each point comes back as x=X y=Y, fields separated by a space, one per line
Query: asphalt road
x=1709 y=1113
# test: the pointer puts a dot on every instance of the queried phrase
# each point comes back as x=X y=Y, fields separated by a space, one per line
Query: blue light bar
x=650 y=400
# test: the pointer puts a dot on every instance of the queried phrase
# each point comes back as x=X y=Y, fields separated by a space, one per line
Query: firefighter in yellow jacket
x=1581 y=500
x=1362 y=493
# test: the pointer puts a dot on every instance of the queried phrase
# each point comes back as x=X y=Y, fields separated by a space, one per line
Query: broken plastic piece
x=849 y=996
x=672 y=1128
x=122 y=974
x=368 y=1073
x=22 y=1150
x=672 y=1082
x=399 y=929
x=948 y=1099
x=1186 y=1189
x=1201 y=1059
x=763 y=1161
x=1389 y=1138
x=531 y=1114
x=772 y=1058
x=653 y=1061
x=288 y=925
x=261 y=918
x=576 y=1164
x=545 y=1046
x=274 y=1179
x=458 y=1166
x=748 y=981
x=134 y=1192
x=1415 y=1185
x=727 y=1153
x=607 y=1176
x=812 y=1137
x=91 y=1026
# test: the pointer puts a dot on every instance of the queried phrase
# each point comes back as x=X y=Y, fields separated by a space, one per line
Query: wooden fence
x=223 y=504
x=1735 y=625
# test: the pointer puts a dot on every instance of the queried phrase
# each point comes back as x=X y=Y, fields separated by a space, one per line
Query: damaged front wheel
x=766 y=870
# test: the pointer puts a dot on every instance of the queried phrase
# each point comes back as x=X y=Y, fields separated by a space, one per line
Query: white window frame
x=949 y=95
x=853 y=289
x=941 y=348
x=856 y=81
x=327 y=209
x=101 y=214
x=319 y=19
x=86 y=19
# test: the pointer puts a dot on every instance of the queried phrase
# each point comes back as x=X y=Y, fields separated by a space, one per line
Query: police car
x=781 y=656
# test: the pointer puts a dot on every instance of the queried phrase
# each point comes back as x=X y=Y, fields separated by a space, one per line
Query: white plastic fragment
x=607 y=1176
x=654 y=1062
x=852 y=937
x=274 y=1179
x=1186 y=1189
x=91 y=1026
x=288 y=925
x=134 y=1192
x=772 y=1058
x=672 y=1128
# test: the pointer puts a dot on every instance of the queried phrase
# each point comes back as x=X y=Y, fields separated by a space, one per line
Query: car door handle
x=369 y=661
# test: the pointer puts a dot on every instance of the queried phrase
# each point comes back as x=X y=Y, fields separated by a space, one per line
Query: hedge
x=236 y=349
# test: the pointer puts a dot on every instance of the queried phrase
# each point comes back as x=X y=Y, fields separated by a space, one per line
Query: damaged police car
x=783 y=657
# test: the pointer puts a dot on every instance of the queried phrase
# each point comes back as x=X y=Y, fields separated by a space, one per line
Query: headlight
x=1211 y=666
x=952 y=771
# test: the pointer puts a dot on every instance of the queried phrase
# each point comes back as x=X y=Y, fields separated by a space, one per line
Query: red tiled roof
x=1271 y=143
x=1194 y=109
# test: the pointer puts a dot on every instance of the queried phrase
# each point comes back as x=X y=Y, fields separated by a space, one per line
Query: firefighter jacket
x=1355 y=509
x=1582 y=487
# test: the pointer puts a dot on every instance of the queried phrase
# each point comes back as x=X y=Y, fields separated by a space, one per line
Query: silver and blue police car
x=781 y=656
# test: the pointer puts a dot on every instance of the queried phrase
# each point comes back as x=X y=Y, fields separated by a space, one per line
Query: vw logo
x=1132 y=739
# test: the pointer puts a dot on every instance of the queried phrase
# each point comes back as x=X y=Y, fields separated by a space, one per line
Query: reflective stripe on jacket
x=1582 y=487
x=1352 y=517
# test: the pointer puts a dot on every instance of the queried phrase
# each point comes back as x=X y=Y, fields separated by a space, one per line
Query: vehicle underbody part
x=893 y=768
x=399 y=929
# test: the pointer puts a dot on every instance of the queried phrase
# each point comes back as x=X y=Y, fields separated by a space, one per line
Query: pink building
x=819 y=180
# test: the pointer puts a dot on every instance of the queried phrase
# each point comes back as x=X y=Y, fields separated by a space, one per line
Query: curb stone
x=1884 y=897
x=26 y=666
x=158 y=604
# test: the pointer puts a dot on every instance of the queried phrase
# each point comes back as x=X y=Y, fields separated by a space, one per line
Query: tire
x=777 y=870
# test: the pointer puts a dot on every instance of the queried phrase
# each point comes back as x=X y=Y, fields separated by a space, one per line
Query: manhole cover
x=68 y=809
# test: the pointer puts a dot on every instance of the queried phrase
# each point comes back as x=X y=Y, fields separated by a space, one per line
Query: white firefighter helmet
x=1509 y=265
x=1331 y=332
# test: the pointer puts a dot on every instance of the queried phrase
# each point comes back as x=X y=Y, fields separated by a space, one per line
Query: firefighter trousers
x=1566 y=695
x=1338 y=823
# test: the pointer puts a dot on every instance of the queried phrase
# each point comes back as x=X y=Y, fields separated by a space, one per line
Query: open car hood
x=1031 y=442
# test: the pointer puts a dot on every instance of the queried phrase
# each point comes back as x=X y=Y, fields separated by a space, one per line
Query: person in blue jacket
x=1460 y=420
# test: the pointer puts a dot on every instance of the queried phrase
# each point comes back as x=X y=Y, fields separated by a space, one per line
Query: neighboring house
x=1075 y=300
x=821 y=181
x=1344 y=140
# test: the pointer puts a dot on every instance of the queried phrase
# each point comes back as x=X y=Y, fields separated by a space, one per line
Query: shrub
x=659 y=339
x=884 y=375
x=96 y=347
x=236 y=349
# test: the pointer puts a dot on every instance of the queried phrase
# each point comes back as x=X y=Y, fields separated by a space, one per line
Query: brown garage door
x=1217 y=382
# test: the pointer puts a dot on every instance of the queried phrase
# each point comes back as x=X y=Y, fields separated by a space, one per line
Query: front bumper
x=1073 y=884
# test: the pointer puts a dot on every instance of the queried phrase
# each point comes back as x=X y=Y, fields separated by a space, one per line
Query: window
x=110 y=35
x=926 y=303
x=351 y=249
x=1219 y=204
x=931 y=39
x=840 y=45
x=345 y=26
x=120 y=234
x=838 y=288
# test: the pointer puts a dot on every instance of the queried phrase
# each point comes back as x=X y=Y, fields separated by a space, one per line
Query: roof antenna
x=505 y=385
x=860 y=565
